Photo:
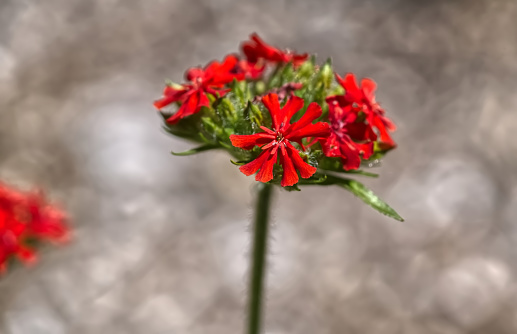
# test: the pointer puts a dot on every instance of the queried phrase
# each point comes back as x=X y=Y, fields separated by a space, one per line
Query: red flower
x=257 y=50
x=363 y=99
x=25 y=217
x=192 y=96
x=349 y=138
x=353 y=118
x=280 y=137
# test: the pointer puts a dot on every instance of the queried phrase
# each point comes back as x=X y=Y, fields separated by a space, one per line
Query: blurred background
x=161 y=242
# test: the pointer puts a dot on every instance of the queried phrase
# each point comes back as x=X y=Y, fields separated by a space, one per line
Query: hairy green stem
x=258 y=264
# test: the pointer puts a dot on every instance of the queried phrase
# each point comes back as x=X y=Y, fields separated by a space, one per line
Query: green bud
x=260 y=87
x=306 y=70
x=327 y=74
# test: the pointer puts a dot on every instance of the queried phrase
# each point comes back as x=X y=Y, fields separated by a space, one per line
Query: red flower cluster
x=354 y=117
x=355 y=128
x=257 y=50
x=213 y=78
x=210 y=80
x=280 y=137
x=25 y=217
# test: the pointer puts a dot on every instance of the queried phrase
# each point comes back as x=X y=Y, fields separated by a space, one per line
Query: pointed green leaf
x=366 y=195
x=195 y=150
x=363 y=193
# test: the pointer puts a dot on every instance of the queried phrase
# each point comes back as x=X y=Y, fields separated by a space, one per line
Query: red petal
x=250 y=52
x=170 y=95
x=345 y=148
x=221 y=73
x=318 y=130
x=253 y=166
x=189 y=107
x=159 y=104
x=366 y=149
x=360 y=131
x=270 y=101
x=289 y=177
x=384 y=134
x=266 y=171
x=350 y=155
x=369 y=86
x=389 y=124
x=194 y=73
x=265 y=50
x=247 y=142
x=203 y=100
x=352 y=91
x=313 y=112
x=252 y=70
x=292 y=106
x=305 y=169
x=330 y=146
x=299 y=59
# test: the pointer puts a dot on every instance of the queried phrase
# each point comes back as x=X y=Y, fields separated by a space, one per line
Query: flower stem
x=259 y=257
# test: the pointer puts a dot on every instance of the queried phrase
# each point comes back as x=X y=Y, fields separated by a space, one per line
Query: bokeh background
x=161 y=242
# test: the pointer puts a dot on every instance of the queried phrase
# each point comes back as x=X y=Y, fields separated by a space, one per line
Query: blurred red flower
x=193 y=96
x=256 y=50
x=280 y=137
x=349 y=139
x=24 y=218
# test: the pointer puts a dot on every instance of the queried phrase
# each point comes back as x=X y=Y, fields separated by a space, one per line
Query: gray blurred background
x=161 y=242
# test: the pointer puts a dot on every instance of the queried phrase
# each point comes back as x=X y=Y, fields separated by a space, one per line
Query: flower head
x=257 y=50
x=193 y=96
x=280 y=138
x=25 y=217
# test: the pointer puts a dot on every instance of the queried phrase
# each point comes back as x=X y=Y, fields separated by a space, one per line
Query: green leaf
x=195 y=150
x=366 y=195
x=363 y=193
x=316 y=179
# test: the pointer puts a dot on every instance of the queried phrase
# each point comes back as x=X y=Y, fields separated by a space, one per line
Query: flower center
x=279 y=136
x=197 y=82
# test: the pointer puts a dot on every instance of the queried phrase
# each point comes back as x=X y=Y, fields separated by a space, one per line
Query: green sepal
x=292 y=188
